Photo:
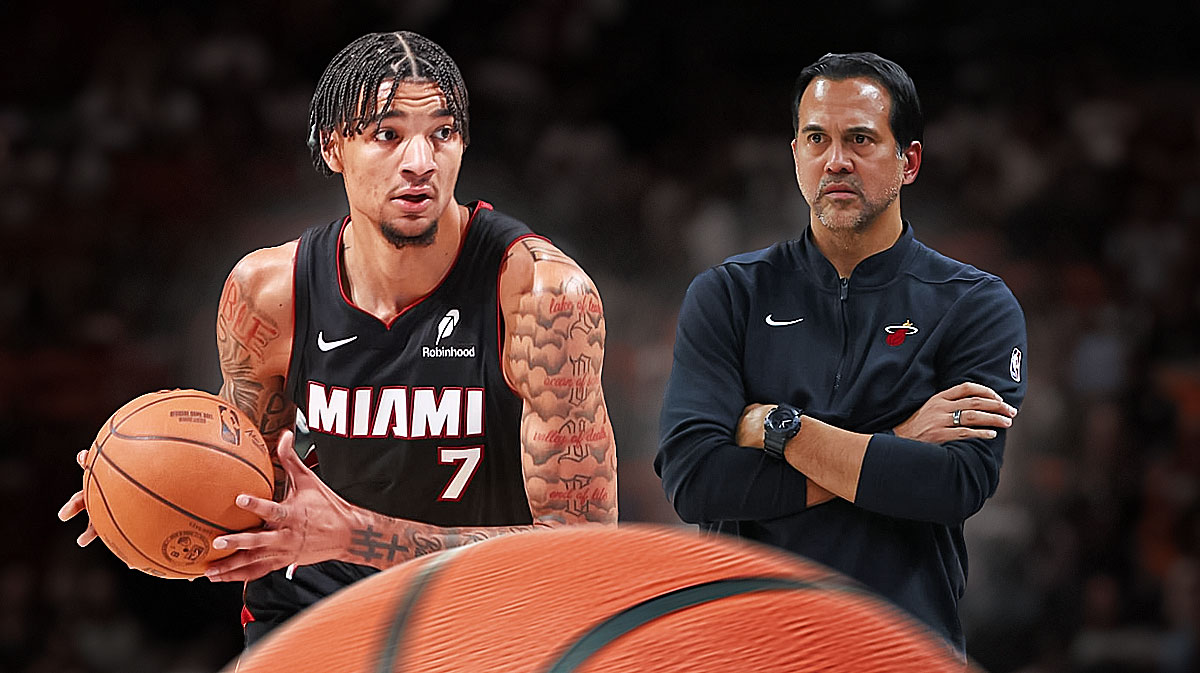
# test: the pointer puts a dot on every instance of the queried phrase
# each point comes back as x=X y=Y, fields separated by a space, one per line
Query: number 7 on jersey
x=468 y=457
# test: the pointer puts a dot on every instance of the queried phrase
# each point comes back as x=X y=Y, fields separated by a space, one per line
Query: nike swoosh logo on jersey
x=327 y=346
x=781 y=323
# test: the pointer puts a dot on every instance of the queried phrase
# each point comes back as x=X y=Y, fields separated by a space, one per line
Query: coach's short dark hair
x=346 y=96
x=905 y=117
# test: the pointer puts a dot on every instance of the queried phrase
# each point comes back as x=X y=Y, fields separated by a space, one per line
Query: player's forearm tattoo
x=369 y=545
x=385 y=542
x=556 y=352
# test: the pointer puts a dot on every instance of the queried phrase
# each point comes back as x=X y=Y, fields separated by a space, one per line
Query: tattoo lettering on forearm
x=368 y=544
x=576 y=497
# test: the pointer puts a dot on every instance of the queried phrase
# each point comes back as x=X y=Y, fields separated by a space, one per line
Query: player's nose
x=417 y=158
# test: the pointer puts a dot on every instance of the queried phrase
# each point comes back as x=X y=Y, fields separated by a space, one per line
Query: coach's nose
x=838 y=159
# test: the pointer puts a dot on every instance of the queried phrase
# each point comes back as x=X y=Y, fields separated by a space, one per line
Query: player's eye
x=444 y=133
x=816 y=138
x=860 y=139
x=385 y=135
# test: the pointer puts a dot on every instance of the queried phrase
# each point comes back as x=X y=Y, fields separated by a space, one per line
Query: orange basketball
x=591 y=599
x=160 y=480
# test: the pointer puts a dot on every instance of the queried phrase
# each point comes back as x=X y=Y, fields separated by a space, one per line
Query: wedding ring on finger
x=957 y=417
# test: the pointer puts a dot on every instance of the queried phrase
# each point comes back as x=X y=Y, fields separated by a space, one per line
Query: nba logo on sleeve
x=1014 y=365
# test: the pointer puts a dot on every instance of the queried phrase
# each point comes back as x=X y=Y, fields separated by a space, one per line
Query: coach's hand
x=75 y=505
x=309 y=525
x=979 y=409
x=749 y=433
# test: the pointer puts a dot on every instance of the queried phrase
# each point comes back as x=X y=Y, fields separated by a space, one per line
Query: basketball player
x=445 y=360
x=815 y=351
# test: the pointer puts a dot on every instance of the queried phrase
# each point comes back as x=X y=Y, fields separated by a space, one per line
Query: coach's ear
x=331 y=150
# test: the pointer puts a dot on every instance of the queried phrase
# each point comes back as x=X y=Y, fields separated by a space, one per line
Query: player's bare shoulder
x=536 y=266
x=549 y=302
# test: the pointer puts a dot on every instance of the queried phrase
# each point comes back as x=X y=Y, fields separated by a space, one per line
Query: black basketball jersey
x=412 y=418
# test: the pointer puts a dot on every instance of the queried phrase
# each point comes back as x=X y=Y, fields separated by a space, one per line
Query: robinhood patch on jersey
x=395 y=411
x=445 y=329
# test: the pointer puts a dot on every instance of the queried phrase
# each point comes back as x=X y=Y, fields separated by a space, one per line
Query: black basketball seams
x=117 y=526
x=114 y=424
x=111 y=463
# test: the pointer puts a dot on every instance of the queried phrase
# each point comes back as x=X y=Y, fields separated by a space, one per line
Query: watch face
x=781 y=420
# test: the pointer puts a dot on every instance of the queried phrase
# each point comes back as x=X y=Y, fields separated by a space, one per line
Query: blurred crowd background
x=146 y=146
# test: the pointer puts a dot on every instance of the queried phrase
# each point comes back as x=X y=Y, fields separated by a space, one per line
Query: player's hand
x=74 y=506
x=981 y=409
x=750 y=433
x=308 y=526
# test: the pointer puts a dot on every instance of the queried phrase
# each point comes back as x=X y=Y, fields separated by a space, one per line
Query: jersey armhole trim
x=289 y=374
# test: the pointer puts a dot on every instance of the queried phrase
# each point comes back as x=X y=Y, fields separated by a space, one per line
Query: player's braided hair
x=346 y=97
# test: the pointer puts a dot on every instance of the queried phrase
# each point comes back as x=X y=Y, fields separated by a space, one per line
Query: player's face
x=846 y=159
x=401 y=175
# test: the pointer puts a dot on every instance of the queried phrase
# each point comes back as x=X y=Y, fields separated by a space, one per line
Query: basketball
x=592 y=599
x=160 y=480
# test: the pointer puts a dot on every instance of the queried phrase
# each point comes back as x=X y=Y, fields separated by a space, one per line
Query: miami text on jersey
x=395 y=411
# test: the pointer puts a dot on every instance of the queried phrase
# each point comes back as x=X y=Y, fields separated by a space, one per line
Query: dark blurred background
x=146 y=146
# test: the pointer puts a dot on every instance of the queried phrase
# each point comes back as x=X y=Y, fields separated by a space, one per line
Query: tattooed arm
x=553 y=354
x=254 y=342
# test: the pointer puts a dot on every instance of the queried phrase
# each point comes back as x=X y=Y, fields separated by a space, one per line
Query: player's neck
x=845 y=247
x=382 y=279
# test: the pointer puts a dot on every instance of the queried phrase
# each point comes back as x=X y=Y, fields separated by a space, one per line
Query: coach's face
x=401 y=175
x=847 y=162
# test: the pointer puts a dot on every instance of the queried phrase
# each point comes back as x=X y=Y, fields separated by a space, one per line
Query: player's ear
x=912 y=161
x=331 y=150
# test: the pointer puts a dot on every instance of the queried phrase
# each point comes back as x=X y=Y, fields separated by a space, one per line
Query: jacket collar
x=873 y=272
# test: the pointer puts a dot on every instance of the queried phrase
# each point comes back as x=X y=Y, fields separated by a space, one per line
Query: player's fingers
x=243 y=566
x=81 y=457
x=267 y=510
x=245 y=573
x=73 y=506
x=288 y=457
x=88 y=535
x=976 y=419
x=249 y=540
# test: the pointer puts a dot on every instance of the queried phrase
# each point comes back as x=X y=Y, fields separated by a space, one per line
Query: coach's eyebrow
x=812 y=127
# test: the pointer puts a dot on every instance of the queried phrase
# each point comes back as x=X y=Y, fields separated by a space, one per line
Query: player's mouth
x=413 y=201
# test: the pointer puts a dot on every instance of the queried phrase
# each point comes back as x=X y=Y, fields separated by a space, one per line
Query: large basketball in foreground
x=160 y=480
x=637 y=598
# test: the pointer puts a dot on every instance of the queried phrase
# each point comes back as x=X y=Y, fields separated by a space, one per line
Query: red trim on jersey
x=292 y=353
x=480 y=205
x=500 y=310
x=246 y=616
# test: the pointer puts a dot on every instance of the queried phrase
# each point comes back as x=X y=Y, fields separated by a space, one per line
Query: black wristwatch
x=778 y=427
